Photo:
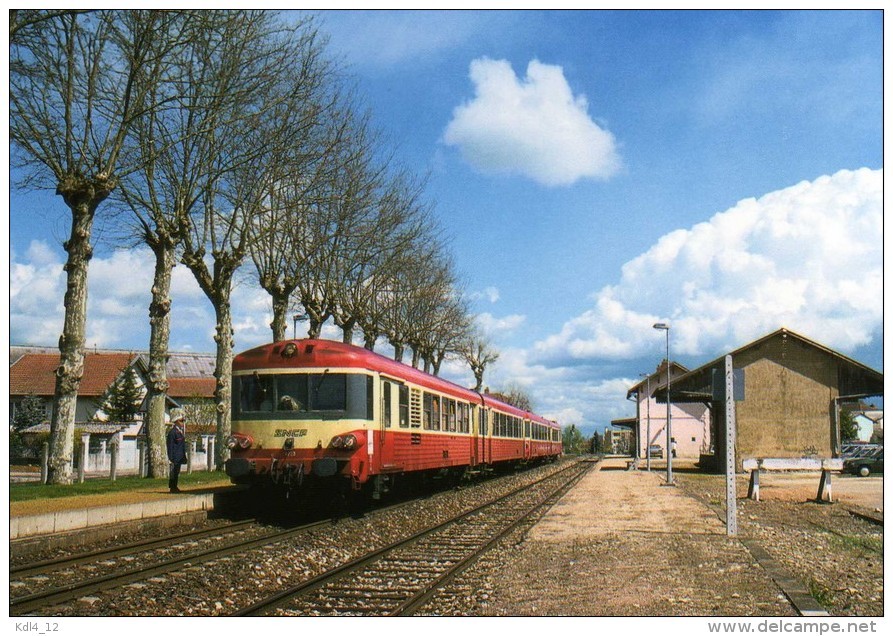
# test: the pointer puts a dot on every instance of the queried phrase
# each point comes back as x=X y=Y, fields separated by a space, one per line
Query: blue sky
x=598 y=172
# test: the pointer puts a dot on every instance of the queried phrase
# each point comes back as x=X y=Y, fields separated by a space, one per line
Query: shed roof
x=94 y=428
x=696 y=385
x=625 y=422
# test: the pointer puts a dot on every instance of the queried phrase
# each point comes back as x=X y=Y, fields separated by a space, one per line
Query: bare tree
x=178 y=145
x=302 y=224
x=479 y=354
x=383 y=231
x=77 y=81
x=260 y=82
x=516 y=396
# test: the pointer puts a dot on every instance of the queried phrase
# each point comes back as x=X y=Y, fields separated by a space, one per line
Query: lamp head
x=662 y=326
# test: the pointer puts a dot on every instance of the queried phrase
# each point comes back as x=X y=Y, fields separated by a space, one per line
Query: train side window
x=449 y=415
x=435 y=412
x=463 y=417
x=431 y=410
x=484 y=422
x=404 y=406
x=386 y=403
x=526 y=428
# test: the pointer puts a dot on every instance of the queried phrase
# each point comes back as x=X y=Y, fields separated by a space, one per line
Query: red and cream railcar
x=305 y=409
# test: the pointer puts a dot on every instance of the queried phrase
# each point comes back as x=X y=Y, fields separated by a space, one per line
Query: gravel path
x=621 y=544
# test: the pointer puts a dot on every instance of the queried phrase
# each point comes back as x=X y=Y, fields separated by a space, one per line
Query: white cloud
x=808 y=257
x=490 y=294
x=534 y=126
x=36 y=290
x=497 y=327
x=118 y=303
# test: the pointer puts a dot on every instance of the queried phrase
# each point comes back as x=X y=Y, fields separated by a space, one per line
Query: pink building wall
x=690 y=422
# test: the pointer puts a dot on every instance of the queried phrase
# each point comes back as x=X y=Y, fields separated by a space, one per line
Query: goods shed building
x=792 y=391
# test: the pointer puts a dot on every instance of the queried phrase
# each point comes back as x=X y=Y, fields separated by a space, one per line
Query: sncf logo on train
x=293 y=432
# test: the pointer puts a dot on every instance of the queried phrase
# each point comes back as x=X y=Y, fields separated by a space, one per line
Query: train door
x=486 y=456
x=387 y=414
x=526 y=439
x=474 y=434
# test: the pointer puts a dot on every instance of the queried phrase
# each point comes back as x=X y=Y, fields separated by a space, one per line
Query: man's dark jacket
x=176 y=445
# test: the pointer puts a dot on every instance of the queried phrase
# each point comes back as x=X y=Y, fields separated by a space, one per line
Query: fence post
x=209 y=450
x=189 y=457
x=85 y=447
x=44 y=463
x=113 y=470
x=141 y=445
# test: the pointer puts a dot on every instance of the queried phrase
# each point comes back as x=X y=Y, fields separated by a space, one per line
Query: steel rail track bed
x=402 y=577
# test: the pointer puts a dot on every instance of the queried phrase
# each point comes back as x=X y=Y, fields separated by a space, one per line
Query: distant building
x=32 y=372
x=35 y=374
x=618 y=442
x=792 y=393
x=690 y=420
x=870 y=425
x=191 y=386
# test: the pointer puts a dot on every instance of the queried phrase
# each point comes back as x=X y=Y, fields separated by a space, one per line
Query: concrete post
x=85 y=447
x=731 y=493
x=189 y=457
x=210 y=452
x=141 y=445
x=44 y=463
x=113 y=469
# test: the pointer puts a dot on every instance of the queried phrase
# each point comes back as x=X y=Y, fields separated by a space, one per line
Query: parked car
x=656 y=450
x=866 y=464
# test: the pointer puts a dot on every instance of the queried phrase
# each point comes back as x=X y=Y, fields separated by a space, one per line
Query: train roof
x=319 y=353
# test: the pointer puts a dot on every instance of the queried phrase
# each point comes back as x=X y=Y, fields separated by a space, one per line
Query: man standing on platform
x=176 y=447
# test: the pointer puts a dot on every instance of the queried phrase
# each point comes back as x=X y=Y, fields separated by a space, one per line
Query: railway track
x=400 y=578
x=51 y=565
x=63 y=592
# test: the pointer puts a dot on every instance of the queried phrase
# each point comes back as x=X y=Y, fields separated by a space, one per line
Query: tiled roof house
x=32 y=371
x=34 y=374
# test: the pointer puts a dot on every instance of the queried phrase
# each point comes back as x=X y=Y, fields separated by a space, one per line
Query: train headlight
x=239 y=440
x=350 y=441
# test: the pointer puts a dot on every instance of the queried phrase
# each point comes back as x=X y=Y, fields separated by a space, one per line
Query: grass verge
x=30 y=491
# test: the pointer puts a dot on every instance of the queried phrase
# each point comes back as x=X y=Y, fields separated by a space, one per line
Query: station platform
x=67 y=515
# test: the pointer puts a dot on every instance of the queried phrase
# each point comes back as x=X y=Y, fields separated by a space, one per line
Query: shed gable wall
x=786 y=412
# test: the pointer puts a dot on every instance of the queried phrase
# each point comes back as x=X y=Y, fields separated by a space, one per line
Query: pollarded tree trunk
x=280 y=311
x=159 y=343
x=478 y=372
x=82 y=197
x=223 y=374
x=347 y=329
x=369 y=339
x=317 y=318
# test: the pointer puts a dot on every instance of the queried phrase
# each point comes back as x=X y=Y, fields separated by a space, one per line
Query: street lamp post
x=662 y=326
x=295 y=320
